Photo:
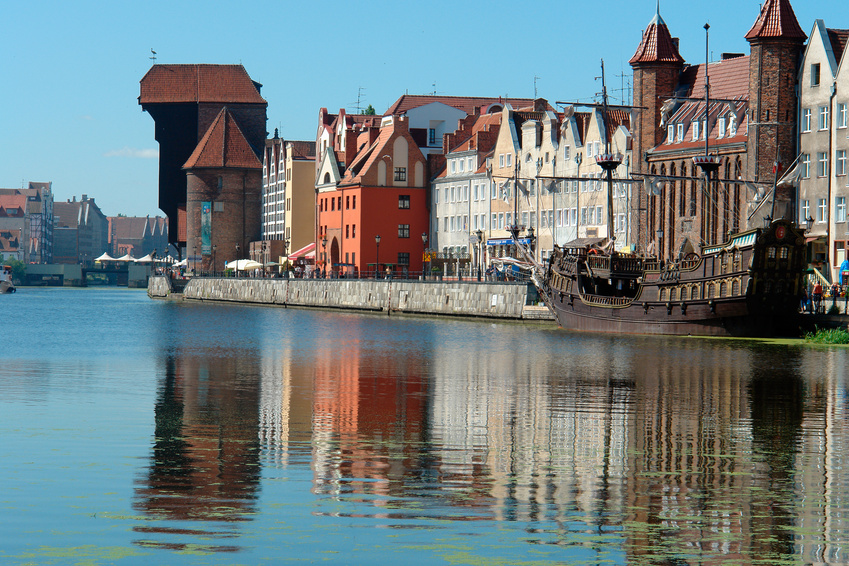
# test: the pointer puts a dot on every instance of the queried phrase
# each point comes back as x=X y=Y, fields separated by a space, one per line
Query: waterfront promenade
x=500 y=300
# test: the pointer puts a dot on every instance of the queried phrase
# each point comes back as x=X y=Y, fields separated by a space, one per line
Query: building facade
x=823 y=146
x=80 y=231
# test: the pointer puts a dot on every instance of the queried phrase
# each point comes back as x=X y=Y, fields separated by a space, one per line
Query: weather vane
x=153 y=58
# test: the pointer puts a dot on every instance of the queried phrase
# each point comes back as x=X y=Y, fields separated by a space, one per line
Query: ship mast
x=707 y=163
x=608 y=161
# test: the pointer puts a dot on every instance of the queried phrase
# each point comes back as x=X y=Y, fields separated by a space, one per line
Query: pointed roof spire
x=776 y=20
x=657 y=45
x=223 y=145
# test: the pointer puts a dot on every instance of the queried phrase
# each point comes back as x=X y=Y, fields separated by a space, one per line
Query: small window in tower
x=815 y=74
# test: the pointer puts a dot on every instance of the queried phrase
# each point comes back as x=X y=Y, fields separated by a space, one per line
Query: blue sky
x=71 y=70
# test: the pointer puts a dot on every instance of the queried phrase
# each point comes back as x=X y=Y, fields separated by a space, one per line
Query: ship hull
x=749 y=286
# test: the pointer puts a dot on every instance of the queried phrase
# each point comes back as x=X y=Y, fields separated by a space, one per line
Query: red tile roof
x=657 y=45
x=468 y=104
x=776 y=20
x=838 y=38
x=164 y=84
x=223 y=145
x=303 y=149
x=728 y=79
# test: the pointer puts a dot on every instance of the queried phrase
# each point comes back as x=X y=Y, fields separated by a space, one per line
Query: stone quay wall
x=451 y=298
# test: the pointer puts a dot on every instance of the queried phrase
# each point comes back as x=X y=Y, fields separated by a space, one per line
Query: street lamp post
x=377 y=256
x=324 y=254
x=424 y=255
x=238 y=255
x=479 y=234
x=214 y=248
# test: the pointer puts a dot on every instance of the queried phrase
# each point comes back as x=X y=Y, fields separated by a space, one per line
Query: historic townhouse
x=824 y=95
x=460 y=193
x=372 y=217
x=743 y=139
x=137 y=235
x=288 y=200
x=36 y=229
x=580 y=198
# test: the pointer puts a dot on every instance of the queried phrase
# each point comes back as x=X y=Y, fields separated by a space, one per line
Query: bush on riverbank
x=828 y=336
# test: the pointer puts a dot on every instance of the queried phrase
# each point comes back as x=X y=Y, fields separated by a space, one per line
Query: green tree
x=19 y=270
x=369 y=111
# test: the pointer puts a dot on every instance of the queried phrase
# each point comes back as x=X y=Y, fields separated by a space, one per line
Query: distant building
x=80 y=232
x=10 y=245
x=36 y=229
x=137 y=235
x=210 y=125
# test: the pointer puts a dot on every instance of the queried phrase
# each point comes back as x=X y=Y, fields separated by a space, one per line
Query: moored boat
x=6 y=285
x=747 y=286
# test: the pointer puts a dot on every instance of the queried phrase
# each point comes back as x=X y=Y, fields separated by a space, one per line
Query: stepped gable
x=168 y=84
x=223 y=145
x=776 y=20
x=657 y=45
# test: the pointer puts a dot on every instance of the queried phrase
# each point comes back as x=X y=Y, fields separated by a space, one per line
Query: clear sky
x=70 y=71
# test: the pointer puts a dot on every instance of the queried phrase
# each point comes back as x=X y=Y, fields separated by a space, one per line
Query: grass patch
x=828 y=336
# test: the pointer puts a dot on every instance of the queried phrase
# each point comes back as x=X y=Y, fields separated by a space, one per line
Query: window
x=841 y=161
x=453 y=165
x=533 y=219
x=815 y=74
x=524 y=219
x=823 y=118
x=403 y=230
x=822 y=163
x=403 y=258
x=494 y=222
x=501 y=160
x=445 y=227
x=670 y=133
x=404 y=201
x=806 y=210
x=431 y=136
x=680 y=132
x=599 y=218
x=483 y=221
x=347 y=231
x=347 y=202
x=841 y=115
x=354 y=202
x=462 y=165
x=840 y=209
x=333 y=204
x=353 y=230
x=821 y=210
x=400 y=173
x=339 y=203
x=567 y=152
x=501 y=221
x=721 y=132
x=573 y=214
x=806 y=119
x=806 y=165
x=695 y=131
x=475 y=223
x=509 y=159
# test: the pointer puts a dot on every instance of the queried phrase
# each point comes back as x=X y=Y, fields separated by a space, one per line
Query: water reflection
x=205 y=459
x=629 y=450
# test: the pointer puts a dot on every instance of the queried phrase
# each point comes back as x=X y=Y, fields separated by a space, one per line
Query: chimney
x=675 y=43
x=84 y=197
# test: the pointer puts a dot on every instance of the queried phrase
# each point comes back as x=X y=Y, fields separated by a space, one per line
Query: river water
x=135 y=431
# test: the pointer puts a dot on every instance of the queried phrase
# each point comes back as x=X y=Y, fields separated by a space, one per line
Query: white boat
x=6 y=285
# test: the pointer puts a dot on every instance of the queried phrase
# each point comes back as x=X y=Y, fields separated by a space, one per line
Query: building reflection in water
x=675 y=451
x=204 y=463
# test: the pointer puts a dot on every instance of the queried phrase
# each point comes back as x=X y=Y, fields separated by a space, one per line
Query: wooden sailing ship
x=749 y=285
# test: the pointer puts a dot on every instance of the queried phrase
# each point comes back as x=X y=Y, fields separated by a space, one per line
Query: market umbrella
x=244 y=265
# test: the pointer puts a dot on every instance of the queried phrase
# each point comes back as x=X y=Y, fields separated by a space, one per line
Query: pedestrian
x=804 y=305
x=817 y=297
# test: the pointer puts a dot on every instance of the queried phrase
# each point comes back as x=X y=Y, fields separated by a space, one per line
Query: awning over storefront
x=507 y=242
x=304 y=251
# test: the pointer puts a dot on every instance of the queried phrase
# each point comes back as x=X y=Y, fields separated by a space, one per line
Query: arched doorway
x=334 y=255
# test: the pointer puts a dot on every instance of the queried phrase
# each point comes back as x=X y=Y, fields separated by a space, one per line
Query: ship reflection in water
x=558 y=446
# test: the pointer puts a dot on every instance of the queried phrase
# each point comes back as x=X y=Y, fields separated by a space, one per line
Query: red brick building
x=381 y=191
x=187 y=102
x=749 y=126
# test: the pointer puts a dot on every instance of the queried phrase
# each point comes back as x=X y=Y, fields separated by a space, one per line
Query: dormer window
x=721 y=128
x=695 y=131
x=704 y=129
x=670 y=133
x=680 y=132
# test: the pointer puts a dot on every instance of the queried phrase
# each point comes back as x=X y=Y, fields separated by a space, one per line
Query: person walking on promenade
x=817 y=297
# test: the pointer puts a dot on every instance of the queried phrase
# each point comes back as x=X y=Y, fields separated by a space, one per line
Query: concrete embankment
x=452 y=298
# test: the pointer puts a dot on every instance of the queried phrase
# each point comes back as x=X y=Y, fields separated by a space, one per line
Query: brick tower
x=657 y=67
x=776 y=42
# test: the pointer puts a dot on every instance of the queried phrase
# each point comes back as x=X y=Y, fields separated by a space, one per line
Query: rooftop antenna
x=153 y=57
x=434 y=89
x=536 y=78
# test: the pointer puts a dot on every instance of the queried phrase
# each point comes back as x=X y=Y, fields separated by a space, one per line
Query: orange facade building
x=379 y=190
